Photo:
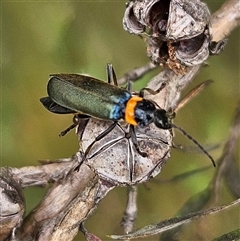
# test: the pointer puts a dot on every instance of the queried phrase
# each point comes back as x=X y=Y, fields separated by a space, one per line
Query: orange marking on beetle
x=129 y=111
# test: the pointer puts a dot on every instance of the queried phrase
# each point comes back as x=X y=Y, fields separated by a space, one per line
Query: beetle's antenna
x=196 y=143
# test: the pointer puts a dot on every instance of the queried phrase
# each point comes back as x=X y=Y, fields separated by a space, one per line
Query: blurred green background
x=40 y=38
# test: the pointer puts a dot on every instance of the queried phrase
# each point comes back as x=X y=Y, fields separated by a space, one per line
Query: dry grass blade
x=194 y=92
x=172 y=223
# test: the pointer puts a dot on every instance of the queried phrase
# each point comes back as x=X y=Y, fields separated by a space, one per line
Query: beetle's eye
x=161 y=120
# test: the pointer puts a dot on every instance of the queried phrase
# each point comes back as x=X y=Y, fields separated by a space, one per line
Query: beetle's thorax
x=144 y=112
x=139 y=111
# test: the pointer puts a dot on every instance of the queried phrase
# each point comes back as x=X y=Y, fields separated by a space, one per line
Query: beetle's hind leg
x=76 y=122
x=98 y=138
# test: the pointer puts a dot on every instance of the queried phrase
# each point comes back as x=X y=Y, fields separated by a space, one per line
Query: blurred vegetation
x=44 y=37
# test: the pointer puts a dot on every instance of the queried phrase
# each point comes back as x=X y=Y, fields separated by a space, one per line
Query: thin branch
x=226 y=19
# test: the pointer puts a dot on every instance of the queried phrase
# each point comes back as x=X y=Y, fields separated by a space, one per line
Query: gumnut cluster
x=177 y=32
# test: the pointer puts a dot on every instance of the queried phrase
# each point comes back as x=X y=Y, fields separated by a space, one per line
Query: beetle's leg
x=82 y=123
x=133 y=75
x=98 y=138
x=113 y=79
x=135 y=142
x=76 y=118
x=136 y=73
x=129 y=86
x=152 y=92
x=111 y=75
x=64 y=132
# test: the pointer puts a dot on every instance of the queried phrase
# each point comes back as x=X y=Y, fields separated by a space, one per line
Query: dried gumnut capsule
x=193 y=51
x=115 y=159
x=178 y=32
x=170 y=19
x=189 y=28
x=139 y=14
x=187 y=19
x=130 y=21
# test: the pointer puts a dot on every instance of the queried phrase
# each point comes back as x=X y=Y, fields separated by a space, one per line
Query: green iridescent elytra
x=88 y=95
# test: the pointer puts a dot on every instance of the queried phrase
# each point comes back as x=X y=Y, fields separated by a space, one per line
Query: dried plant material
x=178 y=33
x=171 y=223
x=12 y=205
x=115 y=159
